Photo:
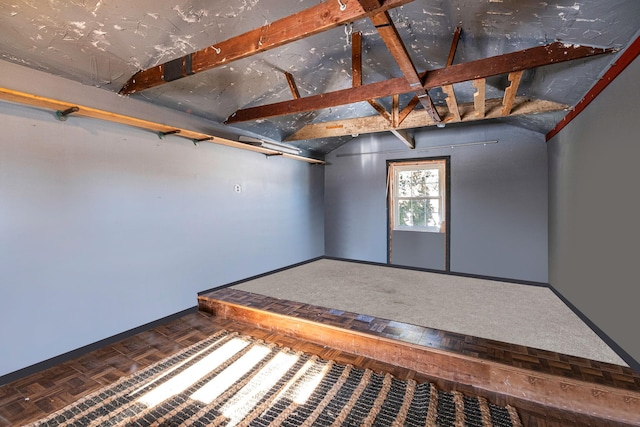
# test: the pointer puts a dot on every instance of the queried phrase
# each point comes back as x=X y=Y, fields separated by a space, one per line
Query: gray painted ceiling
x=104 y=42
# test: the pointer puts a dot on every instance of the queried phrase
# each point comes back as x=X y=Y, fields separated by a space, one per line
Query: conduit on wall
x=65 y=109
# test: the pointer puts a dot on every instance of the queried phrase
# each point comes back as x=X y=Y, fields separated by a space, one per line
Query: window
x=418 y=195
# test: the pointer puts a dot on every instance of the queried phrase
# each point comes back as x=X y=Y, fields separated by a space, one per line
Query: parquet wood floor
x=554 y=377
x=35 y=396
x=510 y=354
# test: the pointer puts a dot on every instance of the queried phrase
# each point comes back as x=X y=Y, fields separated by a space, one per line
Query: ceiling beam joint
x=390 y=36
x=501 y=64
x=452 y=52
x=356 y=72
x=419 y=118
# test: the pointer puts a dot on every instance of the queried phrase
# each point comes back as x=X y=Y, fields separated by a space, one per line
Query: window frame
x=432 y=164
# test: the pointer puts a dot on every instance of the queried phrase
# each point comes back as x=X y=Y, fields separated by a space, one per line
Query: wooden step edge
x=566 y=394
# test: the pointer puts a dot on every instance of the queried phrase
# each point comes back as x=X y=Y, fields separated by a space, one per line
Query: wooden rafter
x=292 y=85
x=452 y=102
x=356 y=76
x=502 y=64
x=622 y=62
x=389 y=34
x=314 y=20
x=451 y=99
x=404 y=136
x=356 y=59
x=511 y=91
x=454 y=46
x=408 y=109
x=356 y=65
x=479 y=97
x=395 y=110
x=380 y=109
x=419 y=118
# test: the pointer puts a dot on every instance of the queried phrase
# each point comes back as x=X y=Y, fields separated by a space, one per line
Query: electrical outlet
x=237 y=188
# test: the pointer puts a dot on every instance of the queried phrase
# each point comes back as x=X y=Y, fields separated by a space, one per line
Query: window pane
x=433 y=189
x=418 y=183
x=418 y=199
x=434 y=218
x=420 y=210
x=413 y=213
x=405 y=217
x=404 y=184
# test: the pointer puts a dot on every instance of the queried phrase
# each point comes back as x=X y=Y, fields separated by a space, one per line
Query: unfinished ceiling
x=105 y=43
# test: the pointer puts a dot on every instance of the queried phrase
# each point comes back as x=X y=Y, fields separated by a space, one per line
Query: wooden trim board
x=626 y=58
x=520 y=384
x=84 y=111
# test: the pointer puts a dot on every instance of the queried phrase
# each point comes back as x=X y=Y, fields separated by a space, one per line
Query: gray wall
x=594 y=211
x=416 y=249
x=104 y=227
x=498 y=199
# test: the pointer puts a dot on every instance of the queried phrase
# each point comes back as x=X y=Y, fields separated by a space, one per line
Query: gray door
x=418 y=213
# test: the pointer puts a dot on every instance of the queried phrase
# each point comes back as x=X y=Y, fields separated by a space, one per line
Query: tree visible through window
x=417 y=194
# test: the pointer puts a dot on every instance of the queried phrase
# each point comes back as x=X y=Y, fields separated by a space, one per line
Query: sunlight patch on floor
x=192 y=374
x=218 y=385
x=177 y=366
x=246 y=394
x=250 y=395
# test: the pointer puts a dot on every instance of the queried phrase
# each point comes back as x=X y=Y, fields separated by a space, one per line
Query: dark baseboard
x=29 y=370
x=633 y=364
x=237 y=282
x=379 y=264
x=446 y=273
x=41 y=366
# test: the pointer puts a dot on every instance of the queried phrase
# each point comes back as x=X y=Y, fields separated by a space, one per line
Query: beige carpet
x=514 y=313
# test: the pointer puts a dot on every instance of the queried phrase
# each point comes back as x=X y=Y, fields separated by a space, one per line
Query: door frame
x=447 y=237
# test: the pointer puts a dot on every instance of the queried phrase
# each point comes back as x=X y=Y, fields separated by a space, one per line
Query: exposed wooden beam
x=506 y=63
x=404 y=136
x=158 y=128
x=314 y=20
x=479 y=97
x=451 y=100
x=356 y=65
x=356 y=59
x=356 y=76
x=380 y=109
x=537 y=56
x=395 y=110
x=511 y=91
x=292 y=85
x=419 y=118
x=452 y=53
x=454 y=46
x=622 y=61
x=408 y=109
x=452 y=103
x=389 y=34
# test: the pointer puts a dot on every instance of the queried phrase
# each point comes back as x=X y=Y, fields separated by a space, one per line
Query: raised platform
x=584 y=390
